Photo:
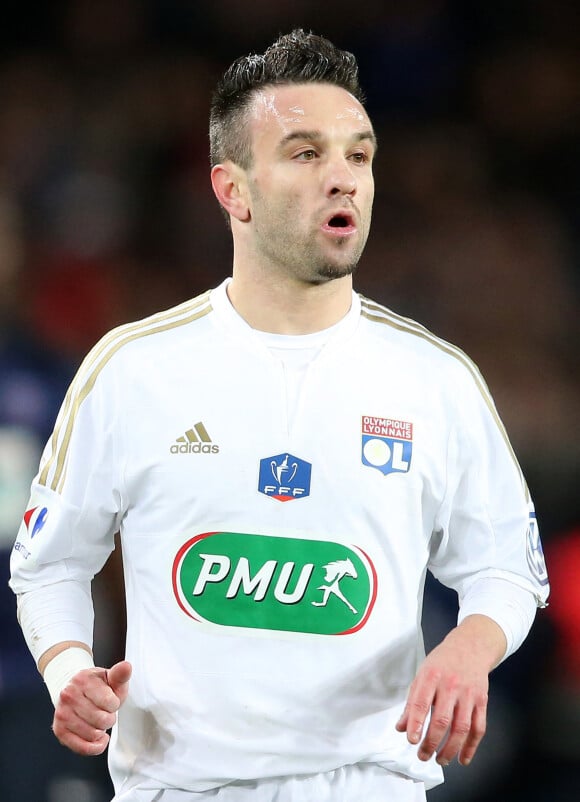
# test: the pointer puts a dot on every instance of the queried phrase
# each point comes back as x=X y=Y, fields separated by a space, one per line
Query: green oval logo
x=278 y=583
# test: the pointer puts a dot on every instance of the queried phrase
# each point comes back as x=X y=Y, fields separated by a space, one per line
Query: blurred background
x=106 y=215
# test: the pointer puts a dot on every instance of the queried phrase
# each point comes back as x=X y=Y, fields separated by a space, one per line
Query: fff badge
x=284 y=477
x=387 y=444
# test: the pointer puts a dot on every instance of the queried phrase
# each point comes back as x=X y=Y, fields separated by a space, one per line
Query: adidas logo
x=195 y=441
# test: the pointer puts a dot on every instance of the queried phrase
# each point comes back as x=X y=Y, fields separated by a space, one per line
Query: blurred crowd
x=106 y=215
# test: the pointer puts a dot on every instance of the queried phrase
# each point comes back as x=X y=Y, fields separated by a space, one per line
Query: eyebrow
x=312 y=135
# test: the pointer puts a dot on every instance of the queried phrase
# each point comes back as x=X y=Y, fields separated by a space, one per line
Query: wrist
x=62 y=668
x=482 y=634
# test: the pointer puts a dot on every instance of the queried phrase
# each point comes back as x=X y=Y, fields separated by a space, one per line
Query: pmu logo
x=387 y=444
x=284 y=477
x=274 y=583
x=535 y=552
x=34 y=520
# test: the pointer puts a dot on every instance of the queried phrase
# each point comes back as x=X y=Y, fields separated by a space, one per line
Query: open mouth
x=340 y=223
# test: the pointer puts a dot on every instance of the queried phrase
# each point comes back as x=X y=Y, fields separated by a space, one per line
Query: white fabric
x=62 y=668
x=364 y=782
x=295 y=354
x=167 y=434
x=509 y=605
x=54 y=613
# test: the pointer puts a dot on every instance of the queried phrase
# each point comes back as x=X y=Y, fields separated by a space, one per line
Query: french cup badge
x=387 y=444
x=285 y=477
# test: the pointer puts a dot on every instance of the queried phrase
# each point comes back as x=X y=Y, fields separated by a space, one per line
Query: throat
x=291 y=307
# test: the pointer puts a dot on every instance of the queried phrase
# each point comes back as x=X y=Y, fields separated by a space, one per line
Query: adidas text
x=194 y=448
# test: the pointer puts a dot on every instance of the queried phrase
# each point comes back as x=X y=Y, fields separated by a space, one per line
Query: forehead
x=277 y=110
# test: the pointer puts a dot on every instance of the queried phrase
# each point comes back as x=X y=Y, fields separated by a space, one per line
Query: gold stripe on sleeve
x=380 y=314
x=90 y=369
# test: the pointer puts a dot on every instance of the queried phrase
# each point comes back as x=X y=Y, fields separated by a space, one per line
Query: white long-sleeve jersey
x=276 y=527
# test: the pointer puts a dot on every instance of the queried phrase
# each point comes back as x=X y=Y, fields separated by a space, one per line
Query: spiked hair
x=297 y=57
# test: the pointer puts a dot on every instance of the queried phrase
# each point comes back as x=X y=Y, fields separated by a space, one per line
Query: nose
x=340 y=179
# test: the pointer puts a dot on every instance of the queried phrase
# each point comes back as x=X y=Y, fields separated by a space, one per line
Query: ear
x=229 y=185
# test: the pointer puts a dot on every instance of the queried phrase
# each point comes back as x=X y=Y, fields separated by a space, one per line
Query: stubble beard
x=320 y=267
x=329 y=271
x=300 y=255
x=308 y=263
x=305 y=258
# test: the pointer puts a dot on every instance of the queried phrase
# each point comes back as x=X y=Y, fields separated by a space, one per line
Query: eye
x=306 y=155
x=360 y=157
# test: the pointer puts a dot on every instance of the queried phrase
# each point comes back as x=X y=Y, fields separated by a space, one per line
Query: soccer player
x=284 y=460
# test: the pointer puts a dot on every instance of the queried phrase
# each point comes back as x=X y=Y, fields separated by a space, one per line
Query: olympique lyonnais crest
x=387 y=444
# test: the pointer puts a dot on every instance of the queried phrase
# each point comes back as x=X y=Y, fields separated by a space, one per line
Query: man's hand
x=88 y=707
x=452 y=685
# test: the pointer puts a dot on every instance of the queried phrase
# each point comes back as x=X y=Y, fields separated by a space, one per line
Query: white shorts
x=362 y=781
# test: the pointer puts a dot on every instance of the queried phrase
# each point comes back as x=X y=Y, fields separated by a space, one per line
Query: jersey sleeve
x=486 y=526
x=75 y=505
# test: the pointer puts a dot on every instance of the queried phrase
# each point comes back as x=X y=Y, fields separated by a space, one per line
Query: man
x=284 y=460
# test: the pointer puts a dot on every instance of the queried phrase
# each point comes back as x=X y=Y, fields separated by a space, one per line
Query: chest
x=345 y=438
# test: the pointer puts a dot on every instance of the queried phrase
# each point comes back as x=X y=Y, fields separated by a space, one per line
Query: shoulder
x=444 y=370
x=134 y=346
x=417 y=344
x=155 y=331
x=170 y=323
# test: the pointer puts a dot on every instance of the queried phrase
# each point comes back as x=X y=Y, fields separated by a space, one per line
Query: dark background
x=106 y=215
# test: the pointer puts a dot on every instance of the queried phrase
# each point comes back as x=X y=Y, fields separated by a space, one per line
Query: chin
x=330 y=270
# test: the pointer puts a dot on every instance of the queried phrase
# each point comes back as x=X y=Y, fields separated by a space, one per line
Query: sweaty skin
x=313 y=146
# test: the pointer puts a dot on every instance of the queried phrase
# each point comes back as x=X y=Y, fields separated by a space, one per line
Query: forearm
x=55 y=616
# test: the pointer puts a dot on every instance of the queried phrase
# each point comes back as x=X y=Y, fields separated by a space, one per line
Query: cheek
x=284 y=202
x=368 y=199
x=276 y=199
x=370 y=188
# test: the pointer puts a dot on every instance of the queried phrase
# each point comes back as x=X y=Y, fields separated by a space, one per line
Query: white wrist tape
x=62 y=668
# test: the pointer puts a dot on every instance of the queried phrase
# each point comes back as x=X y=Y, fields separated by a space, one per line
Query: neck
x=287 y=306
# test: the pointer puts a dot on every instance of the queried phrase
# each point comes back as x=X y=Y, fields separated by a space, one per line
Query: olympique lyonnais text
x=385 y=427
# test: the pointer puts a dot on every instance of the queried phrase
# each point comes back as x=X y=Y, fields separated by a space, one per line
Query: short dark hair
x=294 y=58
